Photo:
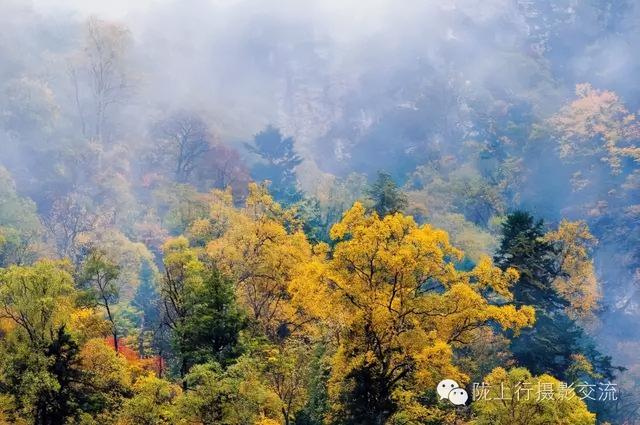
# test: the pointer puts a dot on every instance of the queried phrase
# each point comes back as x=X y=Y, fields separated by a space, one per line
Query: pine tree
x=278 y=164
x=385 y=195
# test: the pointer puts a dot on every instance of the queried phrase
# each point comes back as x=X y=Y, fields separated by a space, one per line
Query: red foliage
x=150 y=363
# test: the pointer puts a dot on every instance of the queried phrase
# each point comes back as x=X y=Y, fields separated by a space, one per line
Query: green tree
x=20 y=229
x=106 y=380
x=233 y=396
x=153 y=403
x=38 y=357
x=45 y=383
x=317 y=404
x=199 y=307
x=385 y=195
x=214 y=321
x=38 y=299
x=147 y=302
x=523 y=247
x=278 y=164
x=179 y=205
x=99 y=277
x=555 y=338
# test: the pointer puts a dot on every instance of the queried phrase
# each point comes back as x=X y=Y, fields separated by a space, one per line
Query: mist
x=455 y=100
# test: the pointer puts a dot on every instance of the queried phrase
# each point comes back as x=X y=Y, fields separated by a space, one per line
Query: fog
x=359 y=86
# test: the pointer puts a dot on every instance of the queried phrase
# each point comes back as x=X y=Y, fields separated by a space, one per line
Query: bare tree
x=71 y=216
x=221 y=167
x=185 y=138
x=101 y=70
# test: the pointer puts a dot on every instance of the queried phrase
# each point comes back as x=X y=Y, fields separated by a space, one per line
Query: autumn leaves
x=386 y=296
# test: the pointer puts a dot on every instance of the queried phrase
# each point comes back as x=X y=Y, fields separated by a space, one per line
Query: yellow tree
x=153 y=403
x=39 y=360
x=576 y=281
x=39 y=299
x=108 y=375
x=397 y=307
x=262 y=248
x=597 y=124
x=286 y=373
x=516 y=398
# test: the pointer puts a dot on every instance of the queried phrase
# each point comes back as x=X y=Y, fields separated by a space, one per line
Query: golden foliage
x=525 y=406
x=39 y=299
x=597 y=124
x=262 y=249
x=577 y=281
x=392 y=297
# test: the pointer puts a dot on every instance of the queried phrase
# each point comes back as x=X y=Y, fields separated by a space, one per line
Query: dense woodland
x=311 y=214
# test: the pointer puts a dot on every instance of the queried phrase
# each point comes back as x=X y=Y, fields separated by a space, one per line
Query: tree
x=71 y=217
x=397 y=307
x=99 y=276
x=576 y=282
x=341 y=196
x=262 y=248
x=29 y=109
x=45 y=382
x=267 y=381
x=184 y=138
x=511 y=399
x=20 y=228
x=38 y=299
x=180 y=205
x=548 y=347
x=147 y=300
x=214 y=322
x=597 y=125
x=317 y=405
x=182 y=273
x=233 y=396
x=473 y=196
x=385 y=195
x=523 y=247
x=153 y=403
x=473 y=240
x=287 y=373
x=107 y=380
x=221 y=167
x=321 y=211
x=103 y=72
x=278 y=164
x=38 y=356
x=199 y=307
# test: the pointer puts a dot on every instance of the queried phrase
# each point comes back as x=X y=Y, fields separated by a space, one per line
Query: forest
x=319 y=212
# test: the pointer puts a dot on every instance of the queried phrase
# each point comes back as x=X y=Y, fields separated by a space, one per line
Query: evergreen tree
x=555 y=340
x=314 y=225
x=147 y=301
x=385 y=195
x=278 y=164
x=212 y=327
x=45 y=381
x=317 y=404
x=199 y=308
x=523 y=248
